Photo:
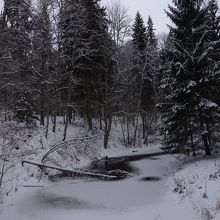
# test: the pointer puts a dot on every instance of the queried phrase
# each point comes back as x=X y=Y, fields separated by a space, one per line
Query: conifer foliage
x=23 y=109
x=16 y=28
x=151 y=38
x=190 y=109
x=65 y=58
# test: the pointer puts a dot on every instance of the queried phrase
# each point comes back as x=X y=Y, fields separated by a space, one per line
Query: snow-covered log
x=74 y=172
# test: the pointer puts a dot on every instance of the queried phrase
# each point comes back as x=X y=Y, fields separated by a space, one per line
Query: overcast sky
x=154 y=8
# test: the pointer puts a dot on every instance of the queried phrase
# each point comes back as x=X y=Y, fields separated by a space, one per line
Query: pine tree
x=186 y=113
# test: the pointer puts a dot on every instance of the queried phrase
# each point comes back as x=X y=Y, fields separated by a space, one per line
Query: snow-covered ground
x=69 y=199
x=184 y=190
x=197 y=185
x=191 y=193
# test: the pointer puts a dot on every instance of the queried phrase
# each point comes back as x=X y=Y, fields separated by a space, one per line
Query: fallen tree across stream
x=75 y=173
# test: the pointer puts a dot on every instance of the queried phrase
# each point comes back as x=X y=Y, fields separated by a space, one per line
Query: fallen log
x=74 y=172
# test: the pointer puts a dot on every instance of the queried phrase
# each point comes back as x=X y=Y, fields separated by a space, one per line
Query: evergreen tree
x=152 y=60
x=86 y=49
x=151 y=38
x=213 y=20
x=144 y=59
x=139 y=33
x=150 y=90
x=73 y=48
x=15 y=48
x=97 y=80
x=188 y=109
x=138 y=76
x=23 y=109
x=42 y=54
x=16 y=21
x=139 y=41
x=212 y=73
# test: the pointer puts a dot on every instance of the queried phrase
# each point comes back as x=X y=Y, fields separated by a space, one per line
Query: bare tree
x=120 y=22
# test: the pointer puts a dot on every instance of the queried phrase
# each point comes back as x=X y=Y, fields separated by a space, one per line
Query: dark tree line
x=75 y=58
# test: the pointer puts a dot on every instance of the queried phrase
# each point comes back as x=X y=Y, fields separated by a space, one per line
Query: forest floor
x=160 y=188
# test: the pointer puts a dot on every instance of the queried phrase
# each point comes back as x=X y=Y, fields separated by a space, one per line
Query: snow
x=207 y=104
x=201 y=180
x=127 y=199
x=69 y=199
x=183 y=189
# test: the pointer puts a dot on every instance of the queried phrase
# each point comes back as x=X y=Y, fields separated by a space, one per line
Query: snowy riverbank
x=190 y=193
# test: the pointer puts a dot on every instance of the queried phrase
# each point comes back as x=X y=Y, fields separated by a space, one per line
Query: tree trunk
x=191 y=138
x=54 y=122
x=42 y=103
x=67 y=107
x=100 y=118
x=206 y=144
x=143 y=124
x=2 y=173
x=122 y=129
x=88 y=113
x=108 y=124
x=70 y=114
x=135 y=130
x=48 y=122
x=204 y=135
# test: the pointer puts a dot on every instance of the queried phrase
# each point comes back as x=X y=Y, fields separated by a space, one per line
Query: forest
x=82 y=82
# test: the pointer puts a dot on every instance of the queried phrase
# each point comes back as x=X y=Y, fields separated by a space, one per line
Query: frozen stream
x=76 y=200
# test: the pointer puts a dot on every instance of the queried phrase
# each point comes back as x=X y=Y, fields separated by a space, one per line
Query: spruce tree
x=42 y=54
x=73 y=48
x=138 y=76
x=139 y=42
x=145 y=53
x=15 y=44
x=139 y=33
x=213 y=20
x=211 y=79
x=16 y=19
x=86 y=56
x=152 y=60
x=151 y=38
x=98 y=80
x=151 y=77
x=23 y=109
x=186 y=115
